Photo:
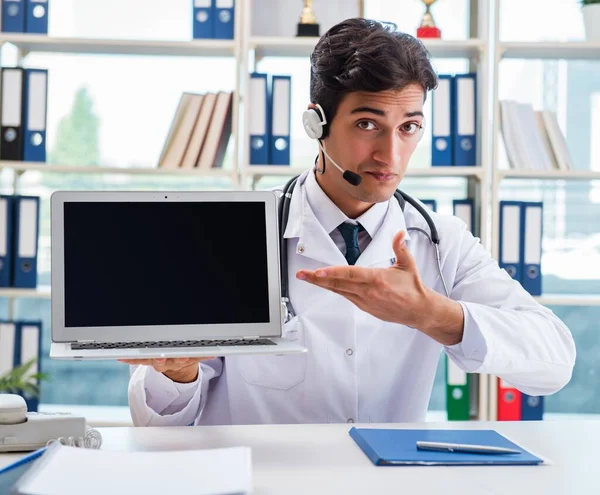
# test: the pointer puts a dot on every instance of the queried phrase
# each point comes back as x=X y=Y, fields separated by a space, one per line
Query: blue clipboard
x=397 y=447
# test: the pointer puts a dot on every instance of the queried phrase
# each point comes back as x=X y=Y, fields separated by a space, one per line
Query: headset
x=314 y=121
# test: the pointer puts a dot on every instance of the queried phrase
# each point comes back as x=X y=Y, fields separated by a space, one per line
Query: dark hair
x=365 y=55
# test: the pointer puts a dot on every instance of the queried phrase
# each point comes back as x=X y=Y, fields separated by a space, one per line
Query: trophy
x=308 y=22
x=428 y=29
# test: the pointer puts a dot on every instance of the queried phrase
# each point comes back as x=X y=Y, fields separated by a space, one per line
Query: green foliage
x=21 y=380
x=589 y=2
x=77 y=134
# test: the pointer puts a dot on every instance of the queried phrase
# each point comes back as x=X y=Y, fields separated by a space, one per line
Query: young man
x=370 y=303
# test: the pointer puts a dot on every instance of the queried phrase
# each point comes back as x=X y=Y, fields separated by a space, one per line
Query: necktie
x=350 y=234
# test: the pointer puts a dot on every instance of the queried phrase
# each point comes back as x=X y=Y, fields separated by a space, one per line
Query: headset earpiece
x=313 y=122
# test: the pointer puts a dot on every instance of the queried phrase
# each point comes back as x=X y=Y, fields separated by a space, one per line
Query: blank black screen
x=170 y=263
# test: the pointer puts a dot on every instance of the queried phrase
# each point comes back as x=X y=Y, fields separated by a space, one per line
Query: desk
x=315 y=459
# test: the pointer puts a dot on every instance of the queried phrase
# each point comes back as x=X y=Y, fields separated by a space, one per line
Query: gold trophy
x=308 y=22
x=428 y=29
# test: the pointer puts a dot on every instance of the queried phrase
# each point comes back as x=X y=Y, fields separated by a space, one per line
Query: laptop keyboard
x=169 y=343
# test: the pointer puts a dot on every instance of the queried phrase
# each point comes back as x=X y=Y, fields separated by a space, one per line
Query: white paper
x=73 y=471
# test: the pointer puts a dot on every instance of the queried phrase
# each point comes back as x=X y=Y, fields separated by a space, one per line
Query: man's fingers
x=403 y=257
x=164 y=364
x=348 y=278
x=146 y=362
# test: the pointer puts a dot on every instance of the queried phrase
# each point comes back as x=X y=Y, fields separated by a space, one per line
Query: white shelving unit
x=42 y=292
x=543 y=50
x=548 y=174
x=273 y=46
x=476 y=50
x=574 y=50
x=81 y=169
x=568 y=300
x=484 y=51
x=28 y=43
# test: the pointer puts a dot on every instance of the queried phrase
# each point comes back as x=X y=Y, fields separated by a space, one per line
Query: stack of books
x=533 y=139
x=199 y=132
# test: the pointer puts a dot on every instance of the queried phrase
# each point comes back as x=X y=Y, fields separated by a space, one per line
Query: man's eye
x=366 y=125
x=410 y=127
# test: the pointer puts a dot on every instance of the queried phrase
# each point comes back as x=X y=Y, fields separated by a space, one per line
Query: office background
x=115 y=111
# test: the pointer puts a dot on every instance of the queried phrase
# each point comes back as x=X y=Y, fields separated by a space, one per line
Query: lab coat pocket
x=281 y=372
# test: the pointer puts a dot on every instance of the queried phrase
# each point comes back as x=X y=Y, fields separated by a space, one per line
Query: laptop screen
x=165 y=263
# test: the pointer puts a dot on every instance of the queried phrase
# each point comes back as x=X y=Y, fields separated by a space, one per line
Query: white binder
x=30 y=345
x=7 y=347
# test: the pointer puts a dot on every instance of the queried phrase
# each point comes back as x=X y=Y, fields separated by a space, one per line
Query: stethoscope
x=283 y=215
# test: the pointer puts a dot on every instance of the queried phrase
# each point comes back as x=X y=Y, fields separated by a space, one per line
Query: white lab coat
x=359 y=368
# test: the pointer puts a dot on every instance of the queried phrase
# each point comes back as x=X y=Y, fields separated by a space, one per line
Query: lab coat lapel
x=381 y=248
x=313 y=241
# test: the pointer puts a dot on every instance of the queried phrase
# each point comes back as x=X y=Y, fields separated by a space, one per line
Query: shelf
x=568 y=300
x=194 y=48
x=549 y=174
x=42 y=292
x=273 y=46
x=276 y=170
x=90 y=169
x=573 y=50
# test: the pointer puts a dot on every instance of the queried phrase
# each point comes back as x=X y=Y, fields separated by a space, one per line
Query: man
x=370 y=304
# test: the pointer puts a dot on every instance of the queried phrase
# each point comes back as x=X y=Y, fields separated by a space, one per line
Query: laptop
x=140 y=275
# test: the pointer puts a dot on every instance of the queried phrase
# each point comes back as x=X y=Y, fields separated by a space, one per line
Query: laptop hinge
x=85 y=341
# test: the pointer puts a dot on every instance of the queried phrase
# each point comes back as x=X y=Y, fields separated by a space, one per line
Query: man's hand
x=181 y=370
x=395 y=294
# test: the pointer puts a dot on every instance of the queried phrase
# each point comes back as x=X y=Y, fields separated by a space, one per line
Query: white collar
x=330 y=216
x=315 y=243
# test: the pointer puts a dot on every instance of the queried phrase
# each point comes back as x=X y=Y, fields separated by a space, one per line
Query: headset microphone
x=349 y=176
x=314 y=121
x=313 y=125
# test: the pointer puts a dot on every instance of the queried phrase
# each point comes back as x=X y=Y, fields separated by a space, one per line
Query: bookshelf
x=274 y=46
x=195 y=48
x=530 y=50
x=548 y=174
x=572 y=50
x=482 y=49
x=22 y=167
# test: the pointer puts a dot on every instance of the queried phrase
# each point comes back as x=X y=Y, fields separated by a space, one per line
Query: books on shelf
x=213 y=19
x=21 y=343
x=199 y=132
x=533 y=139
x=269 y=114
x=19 y=230
x=454 y=129
x=24 y=16
x=23 y=108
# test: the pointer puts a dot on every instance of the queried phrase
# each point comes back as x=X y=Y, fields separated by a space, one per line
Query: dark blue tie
x=350 y=234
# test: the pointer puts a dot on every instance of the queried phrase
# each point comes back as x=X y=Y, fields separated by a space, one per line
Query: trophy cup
x=428 y=29
x=308 y=22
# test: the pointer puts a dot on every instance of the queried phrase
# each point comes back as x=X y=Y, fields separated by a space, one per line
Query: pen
x=462 y=447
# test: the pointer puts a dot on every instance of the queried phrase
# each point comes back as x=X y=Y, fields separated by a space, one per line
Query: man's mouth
x=383 y=177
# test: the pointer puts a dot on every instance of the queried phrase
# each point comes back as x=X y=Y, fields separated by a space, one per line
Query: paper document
x=72 y=471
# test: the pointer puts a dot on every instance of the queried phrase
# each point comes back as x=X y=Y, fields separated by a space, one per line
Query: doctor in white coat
x=369 y=299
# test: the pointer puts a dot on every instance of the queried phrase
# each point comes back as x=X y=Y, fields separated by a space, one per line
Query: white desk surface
x=314 y=459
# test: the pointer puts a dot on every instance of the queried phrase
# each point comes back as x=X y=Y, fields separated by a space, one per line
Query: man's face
x=374 y=135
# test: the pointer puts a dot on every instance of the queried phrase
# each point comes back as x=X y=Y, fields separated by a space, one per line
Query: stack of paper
x=72 y=471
